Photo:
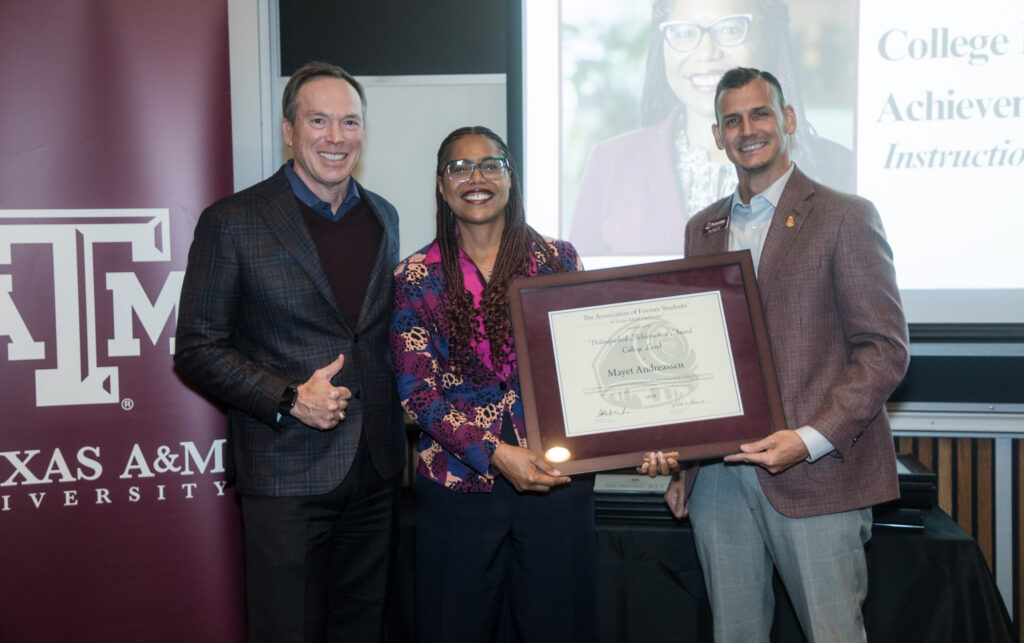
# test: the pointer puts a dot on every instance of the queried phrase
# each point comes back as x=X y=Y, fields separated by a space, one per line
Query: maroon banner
x=115 y=521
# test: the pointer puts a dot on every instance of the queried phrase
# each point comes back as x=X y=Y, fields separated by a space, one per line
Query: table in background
x=931 y=586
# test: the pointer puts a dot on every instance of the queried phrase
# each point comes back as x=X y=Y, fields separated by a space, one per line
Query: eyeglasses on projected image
x=729 y=31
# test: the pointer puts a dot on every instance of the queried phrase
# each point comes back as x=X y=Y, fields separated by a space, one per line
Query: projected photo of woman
x=639 y=188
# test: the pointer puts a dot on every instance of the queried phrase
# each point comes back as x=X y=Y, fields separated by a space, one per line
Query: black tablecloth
x=931 y=586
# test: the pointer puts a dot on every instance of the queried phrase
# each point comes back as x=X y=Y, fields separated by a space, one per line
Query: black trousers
x=317 y=567
x=505 y=566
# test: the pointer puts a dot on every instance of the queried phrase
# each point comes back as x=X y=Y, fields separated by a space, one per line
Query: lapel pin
x=789 y=222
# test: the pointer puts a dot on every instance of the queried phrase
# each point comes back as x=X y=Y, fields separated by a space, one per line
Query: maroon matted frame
x=730 y=274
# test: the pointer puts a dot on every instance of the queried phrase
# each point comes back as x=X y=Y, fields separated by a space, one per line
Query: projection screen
x=917 y=106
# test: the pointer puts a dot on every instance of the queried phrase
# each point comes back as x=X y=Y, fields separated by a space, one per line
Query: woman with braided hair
x=640 y=188
x=505 y=545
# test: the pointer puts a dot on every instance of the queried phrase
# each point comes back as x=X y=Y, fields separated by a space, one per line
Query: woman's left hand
x=656 y=463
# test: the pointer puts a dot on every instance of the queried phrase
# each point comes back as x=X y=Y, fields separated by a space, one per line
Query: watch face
x=288 y=399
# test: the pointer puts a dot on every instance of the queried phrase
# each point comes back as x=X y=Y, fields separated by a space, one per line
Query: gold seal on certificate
x=669 y=356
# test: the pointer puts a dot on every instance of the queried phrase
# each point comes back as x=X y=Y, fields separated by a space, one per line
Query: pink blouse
x=475 y=284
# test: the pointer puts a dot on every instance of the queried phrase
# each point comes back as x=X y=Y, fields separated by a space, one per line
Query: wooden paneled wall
x=966 y=480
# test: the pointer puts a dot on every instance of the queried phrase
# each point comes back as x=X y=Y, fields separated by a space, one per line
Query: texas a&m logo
x=74 y=237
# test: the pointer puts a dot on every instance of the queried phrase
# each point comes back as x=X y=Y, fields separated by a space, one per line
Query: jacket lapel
x=284 y=219
x=714 y=237
x=383 y=267
x=792 y=211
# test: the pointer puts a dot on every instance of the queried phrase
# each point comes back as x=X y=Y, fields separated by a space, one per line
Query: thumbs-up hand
x=319 y=404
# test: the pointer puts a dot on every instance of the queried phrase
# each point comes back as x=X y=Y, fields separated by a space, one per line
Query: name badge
x=717 y=225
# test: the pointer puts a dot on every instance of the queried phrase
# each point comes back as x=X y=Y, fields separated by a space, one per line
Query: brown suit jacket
x=838 y=339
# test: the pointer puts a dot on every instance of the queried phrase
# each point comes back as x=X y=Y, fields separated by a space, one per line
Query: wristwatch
x=288 y=399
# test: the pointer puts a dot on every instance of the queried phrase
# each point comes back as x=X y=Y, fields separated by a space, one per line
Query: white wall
x=407 y=118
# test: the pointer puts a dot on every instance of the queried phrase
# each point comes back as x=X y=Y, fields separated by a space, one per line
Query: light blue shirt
x=748 y=228
x=321 y=207
x=749 y=223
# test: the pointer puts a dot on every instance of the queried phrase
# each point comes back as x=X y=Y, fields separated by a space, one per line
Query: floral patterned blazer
x=460 y=416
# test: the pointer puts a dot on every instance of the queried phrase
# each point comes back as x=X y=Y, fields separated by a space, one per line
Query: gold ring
x=341 y=416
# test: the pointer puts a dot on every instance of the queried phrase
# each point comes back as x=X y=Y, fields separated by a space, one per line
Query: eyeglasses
x=725 y=32
x=461 y=170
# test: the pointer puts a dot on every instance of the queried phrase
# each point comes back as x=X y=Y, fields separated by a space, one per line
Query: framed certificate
x=670 y=356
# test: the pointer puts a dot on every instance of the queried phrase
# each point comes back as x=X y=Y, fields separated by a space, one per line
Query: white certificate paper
x=644 y=363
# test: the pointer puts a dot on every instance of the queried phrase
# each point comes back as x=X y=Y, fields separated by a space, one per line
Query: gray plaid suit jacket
x=257 y=313
x=838 y=339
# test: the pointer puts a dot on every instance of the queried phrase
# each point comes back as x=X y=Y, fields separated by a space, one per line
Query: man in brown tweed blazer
x=798 y=500
x=284 y=318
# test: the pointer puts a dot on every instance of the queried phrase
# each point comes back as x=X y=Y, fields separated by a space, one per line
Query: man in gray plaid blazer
x=284 y=318
x=798 y=500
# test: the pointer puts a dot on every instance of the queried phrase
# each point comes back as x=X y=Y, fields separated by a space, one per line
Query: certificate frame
x=728 y=277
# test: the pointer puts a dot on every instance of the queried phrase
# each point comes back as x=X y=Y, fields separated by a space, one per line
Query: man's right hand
x=319 y=404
